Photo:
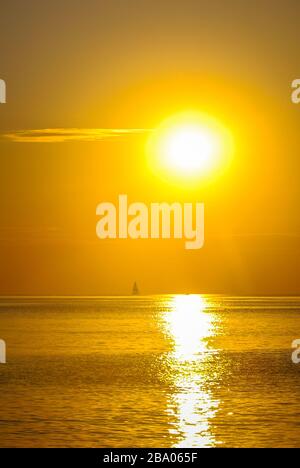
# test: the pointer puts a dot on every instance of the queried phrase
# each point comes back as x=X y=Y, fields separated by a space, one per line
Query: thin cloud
x=61 y=135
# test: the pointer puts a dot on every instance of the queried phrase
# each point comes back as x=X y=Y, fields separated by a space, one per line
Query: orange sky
x=130 y=65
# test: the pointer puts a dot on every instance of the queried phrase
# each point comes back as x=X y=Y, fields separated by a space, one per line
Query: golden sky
x=87 y=83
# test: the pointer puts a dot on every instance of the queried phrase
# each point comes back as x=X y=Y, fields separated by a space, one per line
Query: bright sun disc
x=190 y=146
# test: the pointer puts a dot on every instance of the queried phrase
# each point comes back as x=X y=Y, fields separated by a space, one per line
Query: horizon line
x=145 y=295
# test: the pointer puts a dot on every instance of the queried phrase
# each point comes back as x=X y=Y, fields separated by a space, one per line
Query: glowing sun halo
x=190 y=146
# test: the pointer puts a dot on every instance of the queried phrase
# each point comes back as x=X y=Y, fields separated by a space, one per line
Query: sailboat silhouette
x=135 y=289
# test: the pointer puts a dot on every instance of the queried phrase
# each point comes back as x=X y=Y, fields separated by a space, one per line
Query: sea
x=150 y=371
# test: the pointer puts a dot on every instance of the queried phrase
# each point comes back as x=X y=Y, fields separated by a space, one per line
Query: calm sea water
x=160 y=371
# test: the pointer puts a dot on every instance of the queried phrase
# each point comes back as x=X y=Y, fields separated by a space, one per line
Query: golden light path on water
x=188 y=325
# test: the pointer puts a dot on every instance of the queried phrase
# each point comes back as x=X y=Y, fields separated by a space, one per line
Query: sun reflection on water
x=188 y=324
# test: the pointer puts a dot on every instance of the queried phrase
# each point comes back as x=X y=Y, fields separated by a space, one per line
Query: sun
x=190 y=146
